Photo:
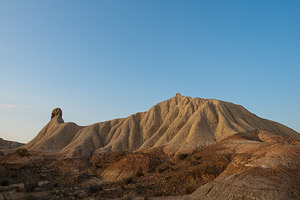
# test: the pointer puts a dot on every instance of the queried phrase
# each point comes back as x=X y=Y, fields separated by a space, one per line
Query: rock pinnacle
x=56 y=112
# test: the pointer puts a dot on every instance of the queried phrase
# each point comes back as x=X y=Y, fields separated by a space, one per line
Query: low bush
x=126 y=180
x=4 y=182
x=94 y=188
x=30 y=184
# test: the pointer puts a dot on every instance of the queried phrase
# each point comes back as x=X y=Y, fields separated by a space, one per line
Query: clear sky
x=100 y=60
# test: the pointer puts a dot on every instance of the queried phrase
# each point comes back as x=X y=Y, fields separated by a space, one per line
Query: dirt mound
x=180 y=124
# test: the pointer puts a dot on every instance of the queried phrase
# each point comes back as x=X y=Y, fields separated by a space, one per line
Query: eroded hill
x=179 y=125
x=251 y=165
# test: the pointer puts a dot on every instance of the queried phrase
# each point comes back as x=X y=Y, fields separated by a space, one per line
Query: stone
x=56 y=112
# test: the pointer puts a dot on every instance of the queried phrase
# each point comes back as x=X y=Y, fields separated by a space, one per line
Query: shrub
x=146 y=197
x=127 y=180
x=94 y=188
x=30 y=184
x=4 y=182
x=128 y=196
x=55 y=184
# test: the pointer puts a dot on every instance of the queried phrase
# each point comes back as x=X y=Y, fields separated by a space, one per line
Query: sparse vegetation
x=146 y=196
x=55 y=184
x=94 y=188
x=30 y=184
x=4 y=182
x=162 y=175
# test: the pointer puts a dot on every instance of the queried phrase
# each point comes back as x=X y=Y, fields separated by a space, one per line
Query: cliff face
x=180 y=124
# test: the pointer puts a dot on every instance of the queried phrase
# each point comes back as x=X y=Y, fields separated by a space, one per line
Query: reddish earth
x=254 y=165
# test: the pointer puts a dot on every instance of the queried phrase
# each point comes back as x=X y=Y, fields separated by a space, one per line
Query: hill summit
x=180 y=125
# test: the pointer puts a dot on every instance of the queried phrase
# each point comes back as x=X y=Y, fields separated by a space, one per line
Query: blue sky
x=99 y=60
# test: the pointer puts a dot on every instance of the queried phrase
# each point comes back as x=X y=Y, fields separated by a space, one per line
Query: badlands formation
x=182 y=148
x=180 y=124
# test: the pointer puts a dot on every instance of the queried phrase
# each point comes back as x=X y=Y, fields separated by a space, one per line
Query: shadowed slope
x=181 y=124
x=6 y=144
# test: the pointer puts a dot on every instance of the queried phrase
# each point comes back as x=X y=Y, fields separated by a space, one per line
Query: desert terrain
x=182 y=148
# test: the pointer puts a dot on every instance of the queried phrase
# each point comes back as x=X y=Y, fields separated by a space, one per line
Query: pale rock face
x=180 y=124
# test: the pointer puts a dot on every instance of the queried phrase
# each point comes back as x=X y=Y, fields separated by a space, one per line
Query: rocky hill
x=180 y=125
x=182 y=148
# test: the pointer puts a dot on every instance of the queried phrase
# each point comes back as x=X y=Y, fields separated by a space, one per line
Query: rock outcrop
x=180 y=124
x=265 y=166
x=56 y=112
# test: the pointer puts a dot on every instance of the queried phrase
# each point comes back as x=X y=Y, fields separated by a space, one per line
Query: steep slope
x=180 y=124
